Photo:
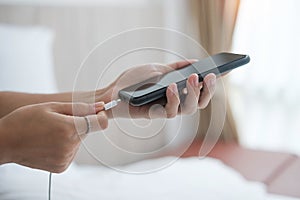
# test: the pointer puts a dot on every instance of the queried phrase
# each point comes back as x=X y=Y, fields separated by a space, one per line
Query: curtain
x=269 y=32
x=215 y=20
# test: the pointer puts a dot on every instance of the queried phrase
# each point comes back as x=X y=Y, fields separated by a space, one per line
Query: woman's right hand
x=47 y=136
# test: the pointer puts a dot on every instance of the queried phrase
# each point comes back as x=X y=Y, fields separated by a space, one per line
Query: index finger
x=77 y=109
x=90 y=123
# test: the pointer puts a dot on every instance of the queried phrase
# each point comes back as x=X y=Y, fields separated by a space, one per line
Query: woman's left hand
x=198 y=94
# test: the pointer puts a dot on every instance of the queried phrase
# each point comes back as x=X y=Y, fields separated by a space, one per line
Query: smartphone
x=154 y=89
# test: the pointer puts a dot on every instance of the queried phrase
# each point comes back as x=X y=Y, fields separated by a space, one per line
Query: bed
x=230 y=171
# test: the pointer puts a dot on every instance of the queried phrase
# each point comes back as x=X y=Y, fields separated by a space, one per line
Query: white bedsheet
x=188 y=179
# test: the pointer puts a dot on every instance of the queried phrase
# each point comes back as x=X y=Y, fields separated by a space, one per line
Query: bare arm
x=10 y=101
x=47 y=135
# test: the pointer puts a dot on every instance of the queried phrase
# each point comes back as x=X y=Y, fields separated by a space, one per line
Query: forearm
x=9 y=101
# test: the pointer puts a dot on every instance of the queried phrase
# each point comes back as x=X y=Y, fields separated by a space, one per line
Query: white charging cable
x=49 y=186
x=107 y=106
x=111 y=104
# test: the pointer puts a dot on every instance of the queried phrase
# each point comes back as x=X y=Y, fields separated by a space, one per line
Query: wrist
x=107 y=94
x=103 y=94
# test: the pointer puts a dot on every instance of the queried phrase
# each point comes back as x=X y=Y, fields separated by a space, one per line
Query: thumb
x=78 y=109
x=182 y=63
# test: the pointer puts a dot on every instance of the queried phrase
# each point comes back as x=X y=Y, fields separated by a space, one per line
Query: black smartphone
x=154 y=89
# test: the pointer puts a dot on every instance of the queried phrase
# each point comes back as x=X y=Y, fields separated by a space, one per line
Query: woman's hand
x=198 y=94
x=46 y=136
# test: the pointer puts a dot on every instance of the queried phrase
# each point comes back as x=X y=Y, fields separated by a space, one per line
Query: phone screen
x=216 y=64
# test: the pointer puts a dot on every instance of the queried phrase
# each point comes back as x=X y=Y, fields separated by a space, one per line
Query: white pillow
x=26 y=59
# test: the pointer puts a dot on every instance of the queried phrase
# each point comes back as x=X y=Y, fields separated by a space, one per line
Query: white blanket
x=188 y=179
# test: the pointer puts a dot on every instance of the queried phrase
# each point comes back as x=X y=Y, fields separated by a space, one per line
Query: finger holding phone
x=197 y=94
x=44 y=131
x=181 y=87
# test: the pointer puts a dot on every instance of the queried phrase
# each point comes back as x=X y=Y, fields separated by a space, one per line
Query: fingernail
x=173 y=89
x=99 y=106
x=196 y=82
x=212 y=82
x=170 y=91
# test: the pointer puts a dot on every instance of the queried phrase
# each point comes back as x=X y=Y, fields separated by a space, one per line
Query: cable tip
x=111 y=104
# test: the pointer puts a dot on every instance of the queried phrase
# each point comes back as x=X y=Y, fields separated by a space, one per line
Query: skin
x=44 y=131
x=194 y=98
x=27 y=137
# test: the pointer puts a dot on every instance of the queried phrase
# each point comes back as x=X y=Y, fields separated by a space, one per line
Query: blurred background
x=265 y=95
x=43 y=43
